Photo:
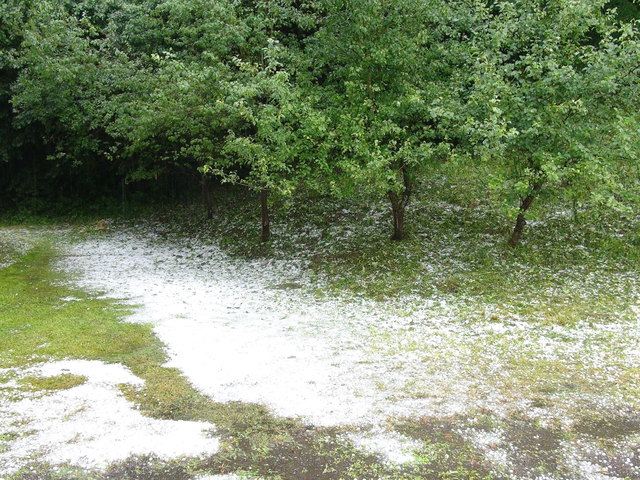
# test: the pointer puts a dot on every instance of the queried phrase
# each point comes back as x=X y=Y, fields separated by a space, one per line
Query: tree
x=60 y=91
x=544 y=80
x=215 y=98
x=386 y=76
x=265 y=147
x=12 y=20
x=17 y=146
x=170 y=63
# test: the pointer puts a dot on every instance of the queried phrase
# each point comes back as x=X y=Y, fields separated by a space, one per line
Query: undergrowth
x=572 y=265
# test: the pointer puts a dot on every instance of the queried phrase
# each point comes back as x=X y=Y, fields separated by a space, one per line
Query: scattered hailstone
x=393 y=447
x=344 y=361
x=70 y=299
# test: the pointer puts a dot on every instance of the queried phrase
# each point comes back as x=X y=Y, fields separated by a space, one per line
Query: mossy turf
x=38 y=324
x=59 y=382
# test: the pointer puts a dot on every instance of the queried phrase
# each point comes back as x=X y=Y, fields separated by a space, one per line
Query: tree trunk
x=399 y=203
x=397 y=210
x=266 y=231
x=206 y=197
x=526 y=202
x=517 y=230
x=124 y=196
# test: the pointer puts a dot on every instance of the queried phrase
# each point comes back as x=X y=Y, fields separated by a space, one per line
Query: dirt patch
x=488 y=446
x=294 y=451
x=534 y=449
x=609 y=423
x=621 y=462
x=445 y=453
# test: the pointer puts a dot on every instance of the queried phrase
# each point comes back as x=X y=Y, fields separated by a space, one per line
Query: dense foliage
x=293 y=98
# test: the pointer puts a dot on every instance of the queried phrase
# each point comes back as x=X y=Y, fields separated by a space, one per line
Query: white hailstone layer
x=92 y=425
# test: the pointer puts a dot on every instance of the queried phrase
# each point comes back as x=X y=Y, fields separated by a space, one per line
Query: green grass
x=59 y=382
x=37 y=325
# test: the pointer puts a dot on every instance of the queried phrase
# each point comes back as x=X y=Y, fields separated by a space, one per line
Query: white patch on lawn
x=238 y=338
x=14 y=243
x=69 y=299
x=91 y=425
x=239 y=334
x=392 y=446
x=491 y=442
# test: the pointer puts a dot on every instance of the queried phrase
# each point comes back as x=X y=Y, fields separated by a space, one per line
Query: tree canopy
x=335 y=97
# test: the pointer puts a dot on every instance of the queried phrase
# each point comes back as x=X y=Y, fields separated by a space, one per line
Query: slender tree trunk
x=124 y=196
x=397 y=210
x=206 y=196
x=399 y=203
x=521 y=221
x=34 y=176
x=266 y=230
x=518 y=229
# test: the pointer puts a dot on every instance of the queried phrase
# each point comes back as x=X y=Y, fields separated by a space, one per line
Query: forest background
x=107 y=103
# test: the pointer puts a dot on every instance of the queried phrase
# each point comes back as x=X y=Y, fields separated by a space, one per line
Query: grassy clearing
x=574 y=283
x=42 y=320
x=46 y=320
x=566 y=278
